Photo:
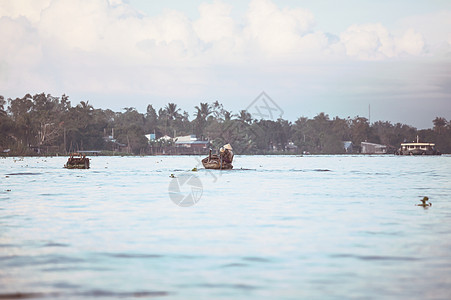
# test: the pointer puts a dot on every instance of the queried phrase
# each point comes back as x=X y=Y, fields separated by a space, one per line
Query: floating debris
x=194 y=169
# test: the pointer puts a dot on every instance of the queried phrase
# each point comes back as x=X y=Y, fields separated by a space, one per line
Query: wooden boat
x=213 y=161
x=77 y=161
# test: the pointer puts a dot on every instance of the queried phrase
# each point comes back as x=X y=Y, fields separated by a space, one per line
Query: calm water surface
x=276 y=227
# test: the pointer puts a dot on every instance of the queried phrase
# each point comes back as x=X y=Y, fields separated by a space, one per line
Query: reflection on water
x=276 y=227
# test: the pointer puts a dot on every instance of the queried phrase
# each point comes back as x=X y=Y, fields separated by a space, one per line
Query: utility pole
x=65 y=147
x=369 y=114
x=128 y=147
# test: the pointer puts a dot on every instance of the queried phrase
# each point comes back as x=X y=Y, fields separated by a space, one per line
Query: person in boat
x=77 y=158
x=226 y=153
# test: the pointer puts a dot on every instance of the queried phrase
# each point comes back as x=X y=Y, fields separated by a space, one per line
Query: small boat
x=77 y=161
x=214 y=161
x=417 y=149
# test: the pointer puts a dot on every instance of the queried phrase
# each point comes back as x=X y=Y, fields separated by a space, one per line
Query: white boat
x=417 y=149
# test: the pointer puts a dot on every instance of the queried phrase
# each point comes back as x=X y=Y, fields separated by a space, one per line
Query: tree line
x=52 y=125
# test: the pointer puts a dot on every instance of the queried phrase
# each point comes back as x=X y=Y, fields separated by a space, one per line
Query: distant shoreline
x=206 y=154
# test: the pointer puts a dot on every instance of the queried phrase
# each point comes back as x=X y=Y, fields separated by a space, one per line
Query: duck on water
x=424 y=202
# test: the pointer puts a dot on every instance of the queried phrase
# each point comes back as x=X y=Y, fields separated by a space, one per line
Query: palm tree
x=168 y=116
x=199 y=124
x=172 y=111
x=2 y=105
x=203 y=111
x=228 y=115
x=439 y=124
x=244 y=116
x=85 y=105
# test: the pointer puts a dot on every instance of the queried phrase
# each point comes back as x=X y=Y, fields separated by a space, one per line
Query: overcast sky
x=336 y=57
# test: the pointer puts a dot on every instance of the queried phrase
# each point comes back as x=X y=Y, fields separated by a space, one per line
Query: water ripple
x=234 y=265
x=132 y=255
x=52 y=244
x=256 y=259
x=91 y=293
x=21 y=261
x=375 y=257
x=24 y=173
x=229 y=286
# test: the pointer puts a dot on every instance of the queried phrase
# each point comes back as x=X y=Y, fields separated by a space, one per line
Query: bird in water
x=424 y=202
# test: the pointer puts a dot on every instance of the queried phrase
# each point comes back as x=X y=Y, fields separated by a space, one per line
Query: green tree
x=2 y=105
x=172 y=111
x=360 y=130
x=84 y=127
x=47 y=113
x=6 y=127
x=439 y=124
x=151 y=119
x=129 y=128
x=245 y=117
x=200 y=122
x=167 y=118
x=24 y=131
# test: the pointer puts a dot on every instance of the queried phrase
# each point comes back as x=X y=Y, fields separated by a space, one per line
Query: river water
x=275 y=227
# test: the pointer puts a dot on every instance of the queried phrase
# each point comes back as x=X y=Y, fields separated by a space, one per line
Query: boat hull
x=214 y=163
x=417 y=152
x=77 y=166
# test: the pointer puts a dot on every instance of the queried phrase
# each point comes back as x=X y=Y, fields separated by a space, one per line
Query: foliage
x=46 y=123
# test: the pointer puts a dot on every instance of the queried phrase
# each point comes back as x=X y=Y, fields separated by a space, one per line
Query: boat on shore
x=77 y=161
x=417 y=148
x=214 y=161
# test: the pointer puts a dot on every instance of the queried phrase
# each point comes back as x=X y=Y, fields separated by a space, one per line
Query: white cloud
x=114 y=29
x=20 y=54
x=276 y=31
x=411 y=43
x=435 y=27
x=104 y=47
x=175 y=28
x=369 y=41
x=375 y=42
x=117 y=31
x=215 y=22
x=30 y=9
x=23 y=46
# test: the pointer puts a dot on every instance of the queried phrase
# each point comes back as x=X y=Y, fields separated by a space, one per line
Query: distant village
x=46 y=125
x=189 y=144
